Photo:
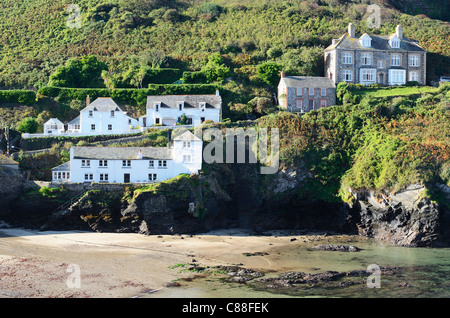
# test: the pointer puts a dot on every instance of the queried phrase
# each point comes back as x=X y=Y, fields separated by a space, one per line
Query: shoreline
x=116 y=265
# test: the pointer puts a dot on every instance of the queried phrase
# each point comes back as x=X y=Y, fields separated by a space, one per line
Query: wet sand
x=40 y=264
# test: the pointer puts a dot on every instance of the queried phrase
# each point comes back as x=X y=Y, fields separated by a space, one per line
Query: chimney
x=283 y=74
x=140 y=154
x=217 y=93
x=399 y=32
x=88 y=100
x=334 y=41
x=351 y=30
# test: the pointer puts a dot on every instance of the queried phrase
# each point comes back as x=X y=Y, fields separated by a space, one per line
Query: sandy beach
x=43 y=264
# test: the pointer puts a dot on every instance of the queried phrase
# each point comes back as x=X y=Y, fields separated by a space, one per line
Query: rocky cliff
x=228 y=196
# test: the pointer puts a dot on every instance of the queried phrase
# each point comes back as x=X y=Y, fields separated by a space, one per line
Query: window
x=380 y=64
x=68 y=175
x=347 y=58
x=91 y=113
x=126 y=163
x=156 y=120
x=112 y=113
x=397 y=77
x=186 y=144
x=311 y=92
x=157 y=105
x=347 y=75
x=323 y=92
x=367 y=75
x=109 y=127
x=311 y=104
x=366 y=59
x=88 y=176
x=202 y=106
x=180 y=106
x=103 y=163
x=366 y=42
x=152 y=176
x=395 y=43
x=162 y=164
x=299 y=103
x=202 y=119
x=395 y=60
x=93 y=127
x=151 y=163
x=85 y=163
x=323 y=103
x=129 y=121
x=413 y=60
x=299 y=91
x=414 y=76
x=59 y=175
x=103 y=177
x=187 y=158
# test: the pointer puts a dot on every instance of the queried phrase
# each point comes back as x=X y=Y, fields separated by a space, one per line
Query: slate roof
x=102 y=104
x=187 y=136
x=121 y=153
x=379 y=42
x=63 y=167
x=4 y=160
x=308 y=81
x=53 y=120
x=190 y=101
x=75 y=121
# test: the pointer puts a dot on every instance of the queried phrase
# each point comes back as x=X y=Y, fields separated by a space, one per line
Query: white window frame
x=380 y=64
x=85 y=163
x=126 y=163
x=187 y=158
x=366 y=58
x=414 y=60
x=367 y=76
x=394 y=78
x=92 y=127
x=313 y=90
x=347 y=58
x=347 y=75
x=299 y=91
x=299 y=103
x=323 y=103
x=186 y=144
x=413 y=76
x=395 y=60
x=151 y=164
x=323 y=92
x=162 y=164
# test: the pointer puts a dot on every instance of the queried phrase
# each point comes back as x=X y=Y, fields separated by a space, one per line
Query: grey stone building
x=301 y=94
x=369 y=59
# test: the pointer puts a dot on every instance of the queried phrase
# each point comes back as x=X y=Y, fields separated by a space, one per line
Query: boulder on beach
x=334 y=247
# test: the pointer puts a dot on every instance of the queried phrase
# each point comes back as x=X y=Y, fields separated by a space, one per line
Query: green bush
x=26 y=97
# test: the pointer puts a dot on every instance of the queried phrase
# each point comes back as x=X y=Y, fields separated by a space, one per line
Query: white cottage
x=101 y=117
x=53 y=126
x=167 y=110
x=132 y=164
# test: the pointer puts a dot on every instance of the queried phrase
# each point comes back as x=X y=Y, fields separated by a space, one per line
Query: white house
x=101 y=117
x=132 y=164
x=167 y=110
x=53 y=126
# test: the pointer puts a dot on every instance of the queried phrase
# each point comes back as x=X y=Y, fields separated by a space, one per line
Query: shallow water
x=425 y=272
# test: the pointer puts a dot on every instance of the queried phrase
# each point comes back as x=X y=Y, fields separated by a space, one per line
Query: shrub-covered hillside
x=182 y=34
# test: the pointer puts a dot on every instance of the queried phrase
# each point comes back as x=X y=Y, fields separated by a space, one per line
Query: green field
x=395 y=91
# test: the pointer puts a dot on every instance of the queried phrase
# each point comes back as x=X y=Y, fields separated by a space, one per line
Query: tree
x=215 y=69
x=269 y=72
x=28 y=125
x=79 y=73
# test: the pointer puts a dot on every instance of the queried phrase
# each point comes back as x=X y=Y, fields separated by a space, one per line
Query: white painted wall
x=120 y=122
x=174 y=114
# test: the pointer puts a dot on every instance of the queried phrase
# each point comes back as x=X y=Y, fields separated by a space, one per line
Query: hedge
x=163 y=75
x=194 y=77
x=26 y=97
x=138 y=96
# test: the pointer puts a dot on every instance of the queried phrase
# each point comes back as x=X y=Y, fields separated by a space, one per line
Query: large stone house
x=369 y=59
x=132 y=164
x=301 y=94
x=167 y=110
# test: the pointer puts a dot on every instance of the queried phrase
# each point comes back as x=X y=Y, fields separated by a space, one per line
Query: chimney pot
x=88 y=100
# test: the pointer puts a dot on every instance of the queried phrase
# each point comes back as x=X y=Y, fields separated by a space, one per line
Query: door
x=381 y=78
x=311 y=104
x=126 y=178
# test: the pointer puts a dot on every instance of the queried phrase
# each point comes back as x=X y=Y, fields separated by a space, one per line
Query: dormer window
x=394 y=42
x=366 y=41
x=157 y=106
x=180 y=105
x=202 y=106
x=91 y=113
x=112 y=113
